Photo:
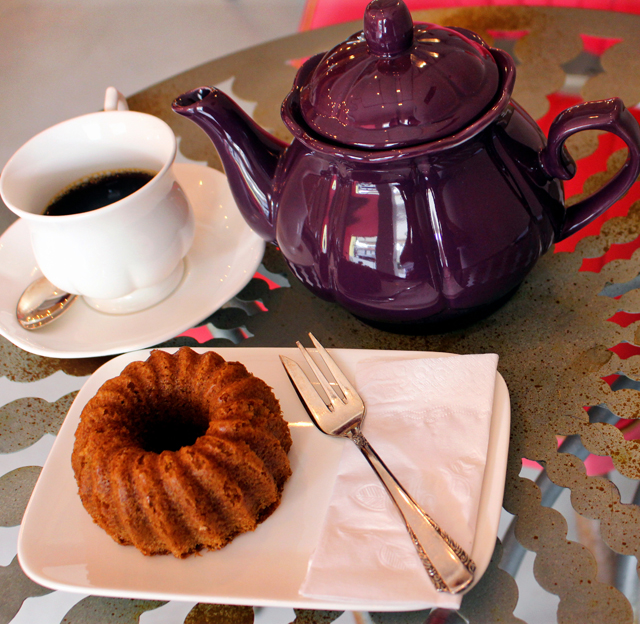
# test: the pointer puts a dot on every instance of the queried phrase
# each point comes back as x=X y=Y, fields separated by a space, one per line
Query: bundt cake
x=182 y=452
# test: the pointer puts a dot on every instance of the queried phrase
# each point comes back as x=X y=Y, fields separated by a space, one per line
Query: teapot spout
x=248 y=153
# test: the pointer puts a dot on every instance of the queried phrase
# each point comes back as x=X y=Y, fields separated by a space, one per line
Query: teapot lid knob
x=388 y=27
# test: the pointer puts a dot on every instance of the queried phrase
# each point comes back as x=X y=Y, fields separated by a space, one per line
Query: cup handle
x=612 y=116
x=114 y=100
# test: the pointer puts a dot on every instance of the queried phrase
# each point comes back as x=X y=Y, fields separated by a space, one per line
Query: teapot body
x=411 y=192
x=433 y=236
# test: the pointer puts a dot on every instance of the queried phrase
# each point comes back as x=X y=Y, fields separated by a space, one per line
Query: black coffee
x=98 y=191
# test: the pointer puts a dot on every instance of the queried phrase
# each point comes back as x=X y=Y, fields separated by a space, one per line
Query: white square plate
x=60 y=547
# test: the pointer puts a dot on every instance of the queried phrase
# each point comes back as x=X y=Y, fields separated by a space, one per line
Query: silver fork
x=447 y=564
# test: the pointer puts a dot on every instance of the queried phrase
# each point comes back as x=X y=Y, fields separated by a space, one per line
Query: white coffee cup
x=125 y=256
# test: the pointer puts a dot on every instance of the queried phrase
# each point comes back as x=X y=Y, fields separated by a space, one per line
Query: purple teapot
x=415 y=188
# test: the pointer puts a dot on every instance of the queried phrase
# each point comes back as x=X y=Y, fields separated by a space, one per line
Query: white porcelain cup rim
x=115 y=103
x=122 y=257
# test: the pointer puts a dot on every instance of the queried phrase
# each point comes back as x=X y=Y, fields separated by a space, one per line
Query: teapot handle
x=612 y=116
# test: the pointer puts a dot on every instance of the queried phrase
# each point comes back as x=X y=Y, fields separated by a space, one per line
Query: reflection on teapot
x=415 y=188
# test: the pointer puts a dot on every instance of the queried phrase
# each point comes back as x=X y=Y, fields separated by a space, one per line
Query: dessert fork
x=449 y=567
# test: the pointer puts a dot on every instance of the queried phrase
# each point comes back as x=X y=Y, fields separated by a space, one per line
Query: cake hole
x=171 y=430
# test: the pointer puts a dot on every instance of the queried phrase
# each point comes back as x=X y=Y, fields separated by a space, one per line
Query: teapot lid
x=396 y=84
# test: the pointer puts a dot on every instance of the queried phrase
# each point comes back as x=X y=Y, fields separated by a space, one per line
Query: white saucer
x=224 y=257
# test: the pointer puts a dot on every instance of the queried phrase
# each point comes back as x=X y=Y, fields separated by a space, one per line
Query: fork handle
x=447 y=564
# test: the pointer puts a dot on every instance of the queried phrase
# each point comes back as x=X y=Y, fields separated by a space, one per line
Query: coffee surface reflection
x=97 y=191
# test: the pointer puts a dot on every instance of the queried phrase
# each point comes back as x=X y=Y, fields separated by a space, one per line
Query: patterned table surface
x=567 y=343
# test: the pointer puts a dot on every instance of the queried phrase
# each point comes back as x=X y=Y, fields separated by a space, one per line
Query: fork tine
x=313 y=402
x=348 y=390
x=324 y=382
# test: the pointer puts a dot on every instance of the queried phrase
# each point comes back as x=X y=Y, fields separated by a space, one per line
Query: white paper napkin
x=429 y=421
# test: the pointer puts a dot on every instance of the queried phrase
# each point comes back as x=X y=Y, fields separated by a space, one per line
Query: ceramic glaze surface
x=434 y=236
x=128 y=254
x=416 y=232
x=423 y=84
